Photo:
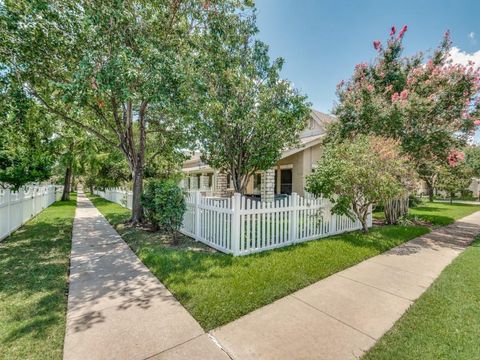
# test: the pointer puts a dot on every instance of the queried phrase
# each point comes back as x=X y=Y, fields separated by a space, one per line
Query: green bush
x=413 y=201
x=164 y=205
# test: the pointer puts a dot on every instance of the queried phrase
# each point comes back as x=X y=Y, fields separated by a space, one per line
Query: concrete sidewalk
x=116 y=308
x=343 y=315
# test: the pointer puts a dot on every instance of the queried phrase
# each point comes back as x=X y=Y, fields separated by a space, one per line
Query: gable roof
x=311 y=136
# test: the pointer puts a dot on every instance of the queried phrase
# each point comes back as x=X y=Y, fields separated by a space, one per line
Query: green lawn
x=218 y=288
x=33 y=285
x=438 y=213
x=444 y=323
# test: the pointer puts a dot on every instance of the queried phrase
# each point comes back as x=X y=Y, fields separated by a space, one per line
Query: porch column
x=221 y=184
x=204 y=182
x=278 y=185
x=193 y=182
x=268 y=185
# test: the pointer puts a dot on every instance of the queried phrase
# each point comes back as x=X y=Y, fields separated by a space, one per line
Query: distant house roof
x=311 y=136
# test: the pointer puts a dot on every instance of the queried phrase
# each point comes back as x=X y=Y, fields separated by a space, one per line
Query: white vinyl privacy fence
x=240 y=225
x=16 y=208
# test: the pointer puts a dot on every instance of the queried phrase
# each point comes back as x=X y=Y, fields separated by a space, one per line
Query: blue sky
x=321 y=41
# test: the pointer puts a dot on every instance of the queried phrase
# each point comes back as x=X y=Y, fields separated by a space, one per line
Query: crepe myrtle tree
x=120 y=70
x=430 y=105
x=359 y=173
x=248 y=114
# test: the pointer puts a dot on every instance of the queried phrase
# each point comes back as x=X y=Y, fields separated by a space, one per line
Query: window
x=286 y=181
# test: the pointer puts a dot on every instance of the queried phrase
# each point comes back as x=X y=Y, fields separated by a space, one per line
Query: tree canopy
x=431 y=106
x=120 y=70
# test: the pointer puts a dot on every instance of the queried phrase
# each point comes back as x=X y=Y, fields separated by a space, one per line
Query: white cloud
x=471 y=35
x=461 y=57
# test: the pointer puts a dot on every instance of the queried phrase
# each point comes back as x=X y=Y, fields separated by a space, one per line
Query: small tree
x=360 y=173
x=248 y=114
x=455 y=177
x=164 y=205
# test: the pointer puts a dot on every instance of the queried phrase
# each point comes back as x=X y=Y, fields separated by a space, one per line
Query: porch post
x=221 y=184
x=193 y=182
x=268 y=185
x=204 y=182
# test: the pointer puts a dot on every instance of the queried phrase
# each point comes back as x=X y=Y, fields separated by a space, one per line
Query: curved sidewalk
x=116 y=308
x=343 y=315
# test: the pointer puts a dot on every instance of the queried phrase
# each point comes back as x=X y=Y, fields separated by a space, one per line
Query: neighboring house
x=287 y=176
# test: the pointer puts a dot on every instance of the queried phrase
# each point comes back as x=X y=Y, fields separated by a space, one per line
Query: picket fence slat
x=16 y=208
x=241 y=225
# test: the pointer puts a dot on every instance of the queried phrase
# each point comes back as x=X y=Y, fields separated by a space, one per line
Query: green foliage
x=360 y=173
x=26 y=145
x=164 y=204
x=472 y=159
x=413 y=201
x=453 y=179
x=116 y=68
x=248 y=114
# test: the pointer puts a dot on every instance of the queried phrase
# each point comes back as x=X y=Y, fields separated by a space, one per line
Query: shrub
x=359 y=173
x=164 y=205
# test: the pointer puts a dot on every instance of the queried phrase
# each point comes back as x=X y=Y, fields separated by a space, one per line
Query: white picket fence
x=240 y=225
x=116 y=195
x=16 y=208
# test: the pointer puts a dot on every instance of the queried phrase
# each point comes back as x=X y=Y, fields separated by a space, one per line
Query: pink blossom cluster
x=400 y=97
x=455 y=157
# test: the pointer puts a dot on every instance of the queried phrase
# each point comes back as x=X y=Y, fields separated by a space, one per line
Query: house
x=287 y=176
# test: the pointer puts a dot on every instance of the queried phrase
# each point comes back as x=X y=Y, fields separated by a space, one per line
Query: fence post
x=333 y=219
x=237 y=201
x=8 y=198
x=198 y=198
x=294 y=218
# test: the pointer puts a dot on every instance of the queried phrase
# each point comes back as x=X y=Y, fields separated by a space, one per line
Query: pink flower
x=393 y=31
x=454 y=157
x=477 y=122
x=404 y=94
x=395 y=97
x=402 y=32
x=370 y=87
x=377 y=45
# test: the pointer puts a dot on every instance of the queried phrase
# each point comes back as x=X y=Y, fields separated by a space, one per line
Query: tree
x=472 y=159
x=107 y=169
x=455 y=177
x=247 y=113
x=430 y=107
x=120 y=70
x=359 y=173
x=26 y=144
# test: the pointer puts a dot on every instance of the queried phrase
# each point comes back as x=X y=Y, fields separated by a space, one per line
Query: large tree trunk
x=72 y=181
x=430 y=182
x=66 y=184
x=138 y=156
x=395 y=209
